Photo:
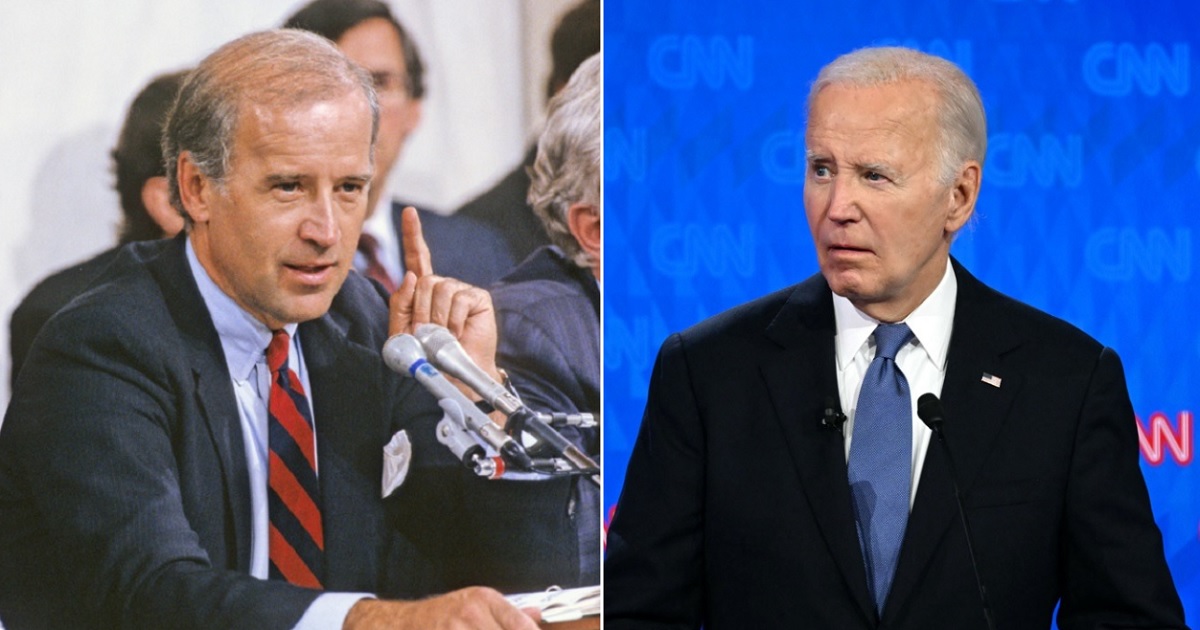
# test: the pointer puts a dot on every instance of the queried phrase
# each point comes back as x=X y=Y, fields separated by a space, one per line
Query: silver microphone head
x=401 y=352
x=449 y=356
x=435 y=338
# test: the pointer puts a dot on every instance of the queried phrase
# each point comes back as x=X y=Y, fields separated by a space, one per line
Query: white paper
x=558 y=604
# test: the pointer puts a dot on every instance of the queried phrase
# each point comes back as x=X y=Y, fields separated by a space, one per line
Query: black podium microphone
x=832 y=417
x=929 y=409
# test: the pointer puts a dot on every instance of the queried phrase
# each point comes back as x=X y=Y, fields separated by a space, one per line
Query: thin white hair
x=962 y=124
x=567 y=168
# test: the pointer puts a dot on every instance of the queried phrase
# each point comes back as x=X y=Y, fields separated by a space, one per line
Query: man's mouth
x=313 y=273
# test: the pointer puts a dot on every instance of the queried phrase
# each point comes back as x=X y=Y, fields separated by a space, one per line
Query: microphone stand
x=929 y=409
x=523 y=419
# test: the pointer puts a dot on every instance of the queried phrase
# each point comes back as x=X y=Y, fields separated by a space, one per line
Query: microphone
x=447 y=353
x=832 y=416
x=403 y=354
x=929 y=409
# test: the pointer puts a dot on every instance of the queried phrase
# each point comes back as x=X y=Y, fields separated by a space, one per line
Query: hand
x=467 y=609
x=466 y=311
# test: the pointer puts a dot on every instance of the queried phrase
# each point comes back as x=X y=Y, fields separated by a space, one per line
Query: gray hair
x=285 y=68
x=962 y=125
x=567 y=168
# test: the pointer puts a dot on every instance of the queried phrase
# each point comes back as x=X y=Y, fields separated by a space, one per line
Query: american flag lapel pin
x=991 y=379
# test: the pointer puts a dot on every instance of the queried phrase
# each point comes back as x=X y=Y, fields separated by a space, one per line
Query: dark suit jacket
x=124 y=496
x=548 y=313
x=736 y=512
x=504 y=211
x=45 y=299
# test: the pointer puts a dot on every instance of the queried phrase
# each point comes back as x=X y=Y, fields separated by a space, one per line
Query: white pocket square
x=397 y=455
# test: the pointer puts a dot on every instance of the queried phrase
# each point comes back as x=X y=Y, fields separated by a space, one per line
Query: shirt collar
x=243 y=338
x=931 y=323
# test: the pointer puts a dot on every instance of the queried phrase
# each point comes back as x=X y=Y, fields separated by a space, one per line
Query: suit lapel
x=975 y=413
x=347 y=405
x=214 y=392
x=799 y=378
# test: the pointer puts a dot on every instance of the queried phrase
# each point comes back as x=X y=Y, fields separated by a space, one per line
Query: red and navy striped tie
x=297 y=538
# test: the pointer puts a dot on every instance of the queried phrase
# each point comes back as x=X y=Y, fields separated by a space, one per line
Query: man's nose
x=843 y=201
x=321 y=226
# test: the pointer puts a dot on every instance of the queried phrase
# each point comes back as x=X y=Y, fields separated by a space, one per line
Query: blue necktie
x=881 y=460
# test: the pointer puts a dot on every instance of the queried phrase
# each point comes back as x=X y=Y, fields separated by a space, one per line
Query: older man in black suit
x=782 y=476
x=198 y=441
x=548 y=308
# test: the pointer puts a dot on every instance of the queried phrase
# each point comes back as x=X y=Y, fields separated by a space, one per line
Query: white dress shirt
x=922 y=360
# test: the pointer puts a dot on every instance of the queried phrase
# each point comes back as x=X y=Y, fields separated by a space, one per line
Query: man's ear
x=156 y=198
x=195 y=190
x=583 y=220
x=963 y=194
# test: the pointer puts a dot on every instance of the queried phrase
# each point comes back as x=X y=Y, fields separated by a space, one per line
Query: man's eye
x=351 y=187
x=287 y=187
x=820 y=171
x=874 y=176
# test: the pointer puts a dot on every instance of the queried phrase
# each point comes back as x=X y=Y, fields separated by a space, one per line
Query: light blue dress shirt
x=244 y=340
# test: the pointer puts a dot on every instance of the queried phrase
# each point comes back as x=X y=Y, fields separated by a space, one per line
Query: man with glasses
x=369 y=34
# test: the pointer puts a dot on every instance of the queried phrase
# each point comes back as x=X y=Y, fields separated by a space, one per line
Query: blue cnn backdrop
x=1088 y=208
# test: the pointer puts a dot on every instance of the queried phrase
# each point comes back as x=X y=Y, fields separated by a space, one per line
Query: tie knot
x=889 y=338
x=277 y=351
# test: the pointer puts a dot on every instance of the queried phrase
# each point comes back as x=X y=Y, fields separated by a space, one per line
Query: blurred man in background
x=146 y=211
x=371 y=36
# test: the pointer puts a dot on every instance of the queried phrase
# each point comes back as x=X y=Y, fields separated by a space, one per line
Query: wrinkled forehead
x=909 y=106
x=299 y=127
x=253 y=108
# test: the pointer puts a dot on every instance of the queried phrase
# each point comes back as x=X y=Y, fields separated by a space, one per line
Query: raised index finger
x=416 y=252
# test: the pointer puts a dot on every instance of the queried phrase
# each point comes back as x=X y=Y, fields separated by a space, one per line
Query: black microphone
x=448 y=354
x=832 y=416
x=403 y=354
x=929 y=409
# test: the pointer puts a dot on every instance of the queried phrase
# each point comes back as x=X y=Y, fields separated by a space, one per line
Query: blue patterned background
x=1088 y=208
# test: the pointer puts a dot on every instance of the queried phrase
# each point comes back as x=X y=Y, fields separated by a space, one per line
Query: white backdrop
x=69 y=69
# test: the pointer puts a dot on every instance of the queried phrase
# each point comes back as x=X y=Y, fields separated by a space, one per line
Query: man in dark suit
x=199 y=440
x=548 y=308
x=146 y=212
x=782 y=476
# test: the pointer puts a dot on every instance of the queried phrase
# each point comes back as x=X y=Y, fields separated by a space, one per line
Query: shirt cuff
x=329 y=610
